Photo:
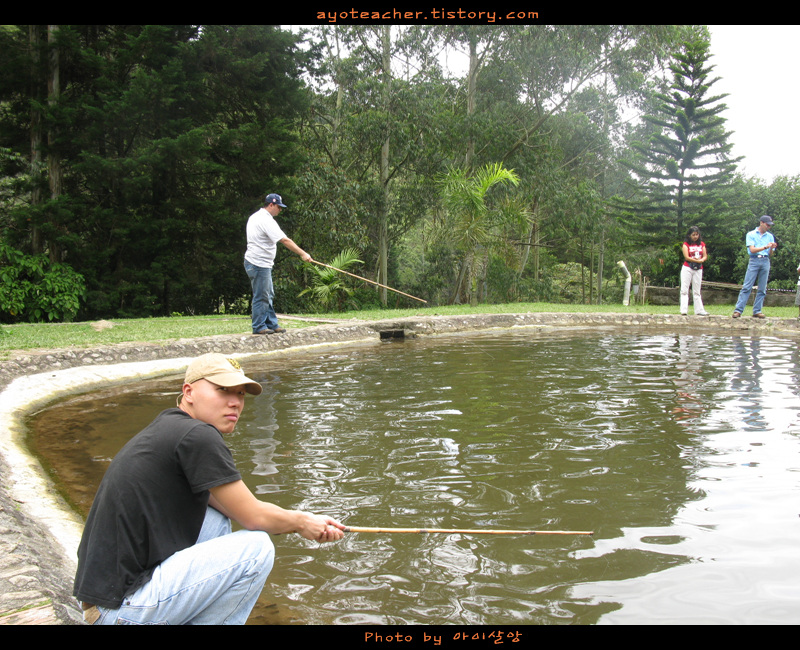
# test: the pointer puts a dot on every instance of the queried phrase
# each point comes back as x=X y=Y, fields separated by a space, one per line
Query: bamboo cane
x=370 y=281
x=465 y=531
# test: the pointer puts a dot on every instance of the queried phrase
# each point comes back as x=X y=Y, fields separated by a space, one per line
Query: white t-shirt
x=263 y=235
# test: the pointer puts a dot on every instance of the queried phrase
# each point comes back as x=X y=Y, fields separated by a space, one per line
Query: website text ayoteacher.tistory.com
x=433 y=15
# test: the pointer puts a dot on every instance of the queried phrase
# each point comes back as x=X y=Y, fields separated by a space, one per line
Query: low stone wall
x=33 y=362
x=39 y=533
x=717 y=296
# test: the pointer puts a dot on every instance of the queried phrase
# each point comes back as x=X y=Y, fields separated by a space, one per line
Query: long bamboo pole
x=466 y=531
x=370 y=281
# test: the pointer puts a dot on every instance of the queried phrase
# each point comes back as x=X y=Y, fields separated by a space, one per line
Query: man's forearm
x=237 y=502
x=296 y=249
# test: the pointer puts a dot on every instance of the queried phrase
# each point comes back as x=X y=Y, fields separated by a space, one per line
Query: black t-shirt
x=150 y=504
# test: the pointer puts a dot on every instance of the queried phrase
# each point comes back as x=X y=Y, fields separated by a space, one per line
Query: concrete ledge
x=713 y=294
x=39 y=533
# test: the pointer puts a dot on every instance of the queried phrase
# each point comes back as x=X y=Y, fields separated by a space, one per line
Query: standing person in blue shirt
x=797 y=295
x=760 y=244
x=263 y=236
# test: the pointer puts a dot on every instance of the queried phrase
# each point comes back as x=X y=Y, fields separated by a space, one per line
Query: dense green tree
x=473 y=214
x=374 y=137
x=686 y=156
x=168 y=137
x=754 y=197
x=34 y=288
x=548 y=104
x=134 y=155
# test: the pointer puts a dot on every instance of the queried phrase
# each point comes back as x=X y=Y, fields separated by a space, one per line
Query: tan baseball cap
x=220 y=370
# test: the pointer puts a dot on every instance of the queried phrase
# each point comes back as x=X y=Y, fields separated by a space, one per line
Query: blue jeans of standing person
x=215 y=582
x=264 y=316
x=757 y=273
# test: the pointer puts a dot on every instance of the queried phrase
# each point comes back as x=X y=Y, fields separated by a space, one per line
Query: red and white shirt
x=696 y=251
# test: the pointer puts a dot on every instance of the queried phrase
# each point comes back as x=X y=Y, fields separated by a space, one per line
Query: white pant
x=695 y=279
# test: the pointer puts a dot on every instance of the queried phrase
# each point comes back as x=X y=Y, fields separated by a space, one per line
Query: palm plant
x=329 y=288
x=471 y=221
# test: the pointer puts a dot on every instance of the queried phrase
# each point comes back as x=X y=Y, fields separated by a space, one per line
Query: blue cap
x=766 y=219
x=274 y=198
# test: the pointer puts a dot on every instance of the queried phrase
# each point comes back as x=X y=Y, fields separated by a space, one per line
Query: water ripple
x=678 y=450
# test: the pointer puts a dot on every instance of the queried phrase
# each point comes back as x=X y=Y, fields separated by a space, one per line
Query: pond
x=680 y=452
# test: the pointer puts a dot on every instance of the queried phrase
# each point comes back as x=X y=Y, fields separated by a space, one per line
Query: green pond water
x=680 y=451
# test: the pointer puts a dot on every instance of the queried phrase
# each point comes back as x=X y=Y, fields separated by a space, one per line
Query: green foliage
x=376 y=134
x=474 y=215
x=684 y=156
x=568 y=281
x=781 y=200
x=34 y=290
x=465 y=198
x=169 y=136
x=426 y=269
x=330 y=289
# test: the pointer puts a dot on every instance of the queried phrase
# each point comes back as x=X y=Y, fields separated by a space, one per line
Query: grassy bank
x=49 y=336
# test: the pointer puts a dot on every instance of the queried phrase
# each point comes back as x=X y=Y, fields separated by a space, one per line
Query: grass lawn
x=86 y=334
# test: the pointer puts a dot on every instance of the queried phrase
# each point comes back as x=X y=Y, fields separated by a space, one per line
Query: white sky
x=756 y=64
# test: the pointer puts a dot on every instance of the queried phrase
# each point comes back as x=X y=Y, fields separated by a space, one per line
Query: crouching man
x=158 y=545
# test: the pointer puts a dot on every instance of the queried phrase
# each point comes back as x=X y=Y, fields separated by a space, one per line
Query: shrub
x=32 y=289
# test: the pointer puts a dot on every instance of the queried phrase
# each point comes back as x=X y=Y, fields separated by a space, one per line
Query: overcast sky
x=756 y=64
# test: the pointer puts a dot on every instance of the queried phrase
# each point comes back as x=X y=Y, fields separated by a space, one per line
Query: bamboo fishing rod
x=466 y=531
x=370 y=281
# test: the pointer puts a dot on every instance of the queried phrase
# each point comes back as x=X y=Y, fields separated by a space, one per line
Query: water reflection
x=693 y=353
x=680 y=451
x=739 y=396
x=747 y=379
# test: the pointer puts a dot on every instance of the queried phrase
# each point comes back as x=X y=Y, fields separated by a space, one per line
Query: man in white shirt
x=263 y=236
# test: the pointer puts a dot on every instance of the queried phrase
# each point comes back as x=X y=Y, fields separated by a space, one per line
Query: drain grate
x=396 y=334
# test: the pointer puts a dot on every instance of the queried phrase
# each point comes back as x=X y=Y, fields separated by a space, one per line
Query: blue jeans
x=757 y=273
x=215 y=582
x=261 y=283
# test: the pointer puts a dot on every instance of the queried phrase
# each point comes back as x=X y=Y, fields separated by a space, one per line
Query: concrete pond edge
x=39 y=532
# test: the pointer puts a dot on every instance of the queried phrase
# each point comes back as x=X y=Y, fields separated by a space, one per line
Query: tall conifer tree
x=687 y=154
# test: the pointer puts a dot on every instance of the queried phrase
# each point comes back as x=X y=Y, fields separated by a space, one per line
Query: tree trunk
x=602 y=243
x=34 y=40
x=463 y=273
x=54 y=173
x=383 y=219
x=600 y=261
x=472 y=83
x=337 y=116
x=526 y=249
x=483 y=293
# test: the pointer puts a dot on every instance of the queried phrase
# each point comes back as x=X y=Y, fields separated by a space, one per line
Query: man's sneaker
x=278 y=330
x=264 y=331
x=736 y=314
x=759 y=315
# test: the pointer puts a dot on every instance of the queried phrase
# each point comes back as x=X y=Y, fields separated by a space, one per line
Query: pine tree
x=687 y=155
